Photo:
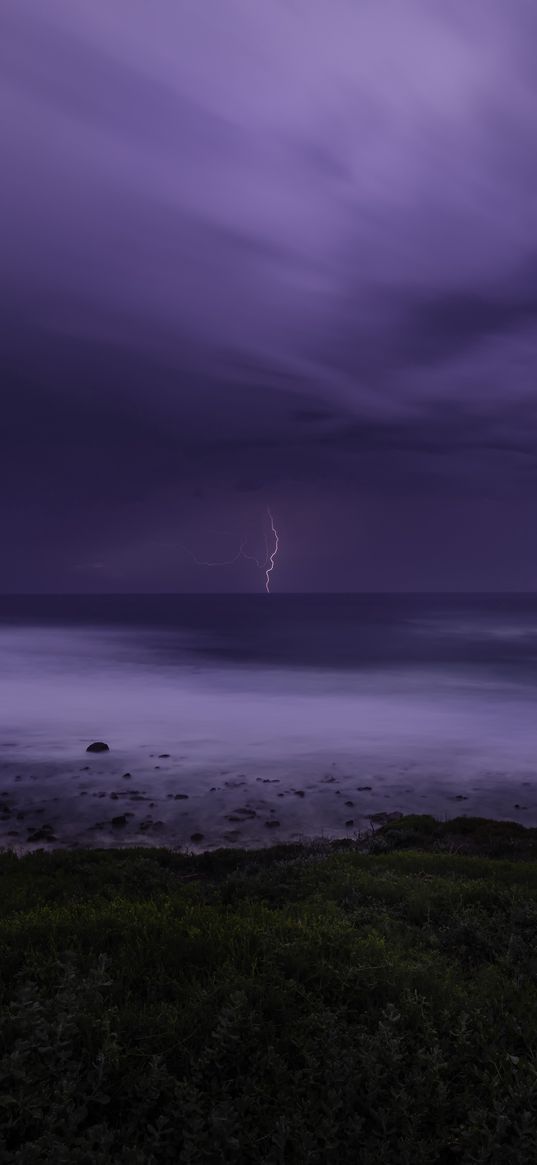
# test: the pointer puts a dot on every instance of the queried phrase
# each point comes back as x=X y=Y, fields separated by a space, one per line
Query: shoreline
x=124 y=799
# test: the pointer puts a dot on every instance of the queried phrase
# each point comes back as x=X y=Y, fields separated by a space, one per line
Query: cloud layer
x=281 y=253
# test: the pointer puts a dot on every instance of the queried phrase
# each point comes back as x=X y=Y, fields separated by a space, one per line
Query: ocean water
x=313 y=711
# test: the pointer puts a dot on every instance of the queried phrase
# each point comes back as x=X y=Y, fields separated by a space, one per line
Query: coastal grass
x=371 y=1002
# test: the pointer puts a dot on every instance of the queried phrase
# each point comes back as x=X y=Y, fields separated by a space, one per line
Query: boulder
x=98 y=746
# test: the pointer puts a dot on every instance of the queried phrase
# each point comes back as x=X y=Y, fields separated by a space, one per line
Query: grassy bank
x=301 y=1004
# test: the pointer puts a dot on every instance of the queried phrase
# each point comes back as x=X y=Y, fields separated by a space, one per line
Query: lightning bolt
x=272 y=556
x=267 y=564
x=222 y=562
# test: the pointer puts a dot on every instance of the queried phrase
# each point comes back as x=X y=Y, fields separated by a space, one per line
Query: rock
x=349 y=804
x=196 y=837
x=272 y=824
x=113 y=796
x=163 y=755
x=45 y=833
x=126 y=776
x=181 y=796
x=349 y=822
x=119 y=821
x=98 y=746
x=299 y=793
x=364 y=788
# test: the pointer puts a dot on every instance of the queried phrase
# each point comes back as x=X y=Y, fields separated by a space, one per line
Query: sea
x=245 y=719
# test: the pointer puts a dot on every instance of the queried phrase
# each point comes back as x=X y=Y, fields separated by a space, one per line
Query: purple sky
x=278 y=253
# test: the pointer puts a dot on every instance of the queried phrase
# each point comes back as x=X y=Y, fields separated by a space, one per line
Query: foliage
x=295 y=1005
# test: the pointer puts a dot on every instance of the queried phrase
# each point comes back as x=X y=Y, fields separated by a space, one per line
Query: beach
x=216 y=740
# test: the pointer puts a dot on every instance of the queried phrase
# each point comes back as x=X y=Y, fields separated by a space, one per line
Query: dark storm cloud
x=447 y=322
x=278 y=252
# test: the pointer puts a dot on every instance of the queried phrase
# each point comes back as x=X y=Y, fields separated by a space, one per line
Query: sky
x=276 y=254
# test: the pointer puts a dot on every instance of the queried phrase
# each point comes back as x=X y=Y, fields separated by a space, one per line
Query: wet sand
x=154 y=797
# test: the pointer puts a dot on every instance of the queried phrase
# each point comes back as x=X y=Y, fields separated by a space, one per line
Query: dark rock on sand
x=242 y=815
x=44 y=833
x=196 y=837
x=98 y=746
x=181 y=796
x=126 y=776
x=118 y=821
x=163 y=755
x=350 y=822
x=364 y=788
x=272 y=824
x=299 y=793
x=349 y=804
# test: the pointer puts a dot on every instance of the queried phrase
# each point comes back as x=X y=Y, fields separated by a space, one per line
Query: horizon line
x=252 y=594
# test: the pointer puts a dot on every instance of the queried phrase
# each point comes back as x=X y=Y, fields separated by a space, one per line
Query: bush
x=299 y=1006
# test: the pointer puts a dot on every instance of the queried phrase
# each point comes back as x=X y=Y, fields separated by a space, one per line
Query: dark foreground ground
x=371 y=1002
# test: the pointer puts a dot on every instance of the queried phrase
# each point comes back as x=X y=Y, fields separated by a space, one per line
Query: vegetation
x=310 y=1004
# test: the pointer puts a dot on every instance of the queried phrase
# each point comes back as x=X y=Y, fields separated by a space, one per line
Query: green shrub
x=302 y=1005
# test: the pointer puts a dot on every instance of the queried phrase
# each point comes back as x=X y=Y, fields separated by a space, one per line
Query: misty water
x=314 y=712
